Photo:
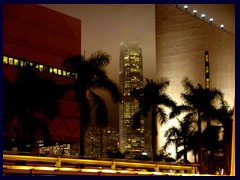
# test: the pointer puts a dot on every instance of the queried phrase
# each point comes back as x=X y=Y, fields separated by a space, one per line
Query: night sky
x=105 y=26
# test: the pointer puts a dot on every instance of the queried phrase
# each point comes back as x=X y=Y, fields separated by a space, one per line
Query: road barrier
x=64 y=164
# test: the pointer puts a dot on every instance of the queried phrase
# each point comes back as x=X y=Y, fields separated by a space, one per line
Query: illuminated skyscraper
x=130 y=77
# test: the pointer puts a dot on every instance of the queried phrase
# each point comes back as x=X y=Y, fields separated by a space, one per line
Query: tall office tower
x=182 y=38
x=130 y=77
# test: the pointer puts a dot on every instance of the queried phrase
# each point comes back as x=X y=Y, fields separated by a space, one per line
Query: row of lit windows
x=20 y=62
x=207 y=80
x=206 y=58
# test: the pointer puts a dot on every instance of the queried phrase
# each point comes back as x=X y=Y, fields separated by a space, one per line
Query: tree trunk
x=19 y=134
x=185 y=150
x=154 y=132
x=101 y=142
x=199 y=143
x=227 y=146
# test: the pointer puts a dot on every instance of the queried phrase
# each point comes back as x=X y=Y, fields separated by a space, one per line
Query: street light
x=194 y=12
x=211 y=20
x=203 y=16
x=186 y=8
x=221 y=26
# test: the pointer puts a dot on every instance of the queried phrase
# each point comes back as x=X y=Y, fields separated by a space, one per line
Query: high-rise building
x=182 y=39
x=100 y=142
x=130 y=78
x=35 y=34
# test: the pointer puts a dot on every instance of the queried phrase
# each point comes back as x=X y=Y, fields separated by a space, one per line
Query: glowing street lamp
x=203 y=16
x=186 y=8
x=211 y=20
x=194 y=12
x=221 y=26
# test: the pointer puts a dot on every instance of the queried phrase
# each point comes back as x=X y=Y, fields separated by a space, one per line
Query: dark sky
x=105 y=26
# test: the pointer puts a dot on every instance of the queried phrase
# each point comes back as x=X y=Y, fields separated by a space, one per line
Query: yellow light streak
x=89 y=170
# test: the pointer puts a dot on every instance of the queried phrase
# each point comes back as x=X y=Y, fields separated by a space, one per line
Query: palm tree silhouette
x=90 y=74
x=200 y=105
x=153 y=99
x=28 y=94
x=180 y=136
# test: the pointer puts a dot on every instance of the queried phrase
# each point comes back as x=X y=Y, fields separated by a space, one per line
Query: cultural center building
x=185 y=41
x=32 y=33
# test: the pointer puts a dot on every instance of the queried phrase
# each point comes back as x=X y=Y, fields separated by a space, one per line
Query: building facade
x=130 y=78
x=182 y=39
x=35 y=34
x=100 y=142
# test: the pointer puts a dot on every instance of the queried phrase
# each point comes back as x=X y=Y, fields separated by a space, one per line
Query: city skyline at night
x=131 y=22
x=89 y=102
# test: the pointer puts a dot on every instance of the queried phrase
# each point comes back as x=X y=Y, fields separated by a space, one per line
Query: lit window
x=55 y=70
x=16 y=62
x=50 y=69
x=31 y=64
x=64 y=73
x=22 y=63
x=11 y=61
x=5 y=59
x=40 y=67
x=68 y=74
x=59 y=72
x=206 y=57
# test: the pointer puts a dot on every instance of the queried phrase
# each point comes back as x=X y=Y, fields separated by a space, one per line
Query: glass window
x=5 y=59
x=16 y=62
x=68 y=74
x=10 y=61
x=55 y=70
x=64 y=73
x=50 y=70
x=40 y=67
x=22 y=63
x=59 y=72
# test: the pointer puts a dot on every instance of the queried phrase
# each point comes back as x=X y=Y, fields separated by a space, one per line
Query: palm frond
x=136 y=119
x=162 y=115
x=109 y=86
x=74 y=63
x=165 y=100
x=101 y=113
x=99 y=58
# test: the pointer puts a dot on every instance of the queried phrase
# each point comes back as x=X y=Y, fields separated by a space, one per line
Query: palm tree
x=153 y=99
x=31 y=93
x=90 y=74
x=200 y=103
x=225 y=114
x=180 y=137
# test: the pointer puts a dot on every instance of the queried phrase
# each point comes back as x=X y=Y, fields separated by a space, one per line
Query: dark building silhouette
x=32 y=33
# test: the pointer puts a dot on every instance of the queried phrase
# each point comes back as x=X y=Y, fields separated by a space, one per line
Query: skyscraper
x=130 y=77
